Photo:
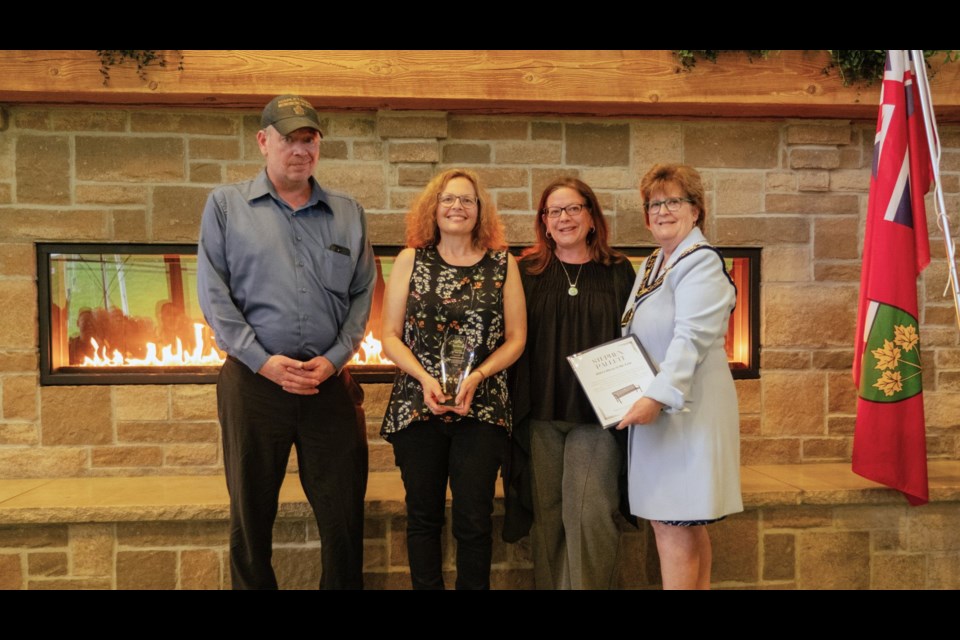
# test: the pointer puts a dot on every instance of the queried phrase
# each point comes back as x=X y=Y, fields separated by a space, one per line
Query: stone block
x=654 y=142
x=200 y=569
x=835 y=238
x=120 y=456
x=32 y=119
x=18 y=361
x=172 y=534
x=833 y=560
x=608 y=178
x=424 y=152
x=536 y=152
x=748 y=395
x=750 y=425
x=598 y=145
x=83 y=120
x=513 y=200
x=53 y=224
x=471 y=128
x=814 y=158
x=334 y=150
x=153 y=570
x=403 y=199
x=343 y=126
x=177 y=212
x=127 y=159
x=947 y=381
x=141 y=402
x=942 y=409
x=214 y=149
x=374 y=555
x=833 y=359
x=793 y=403
x=455 y=153
x=297 y=568
x=69 y=584
x=826 y=132
x=787 y=313
x=19 y=433
x=6 y=193
x=736 y=548
x=20 y=397
x=18 y=323
x=767 y=450
x=836 y=271
x=415 y=125
x=519 y=228
x=513 y=579
x=110 y=194
x=841 y=425
x=786 y=264
x=91 y=546
x=948 y=358
x=842 y=393
x=853 y=158
x=898 y=571
x=731 y=146
x=240 y=171
x=363 y=150
x=762 y=230
x=43 y=169
x=826 y=449
x=813 y=181
x=499 y=178
x=204 y=124
x=386 y=228
x=8 y=157
x=33 y=536
x=129 y=225
x=781 y=181
x=819 y=204
x=776 y=359
x=42 y=462
x=936 y=527
x=414 y=176
x=943 y=571
x=738 y=193
x=939 y=315
x=779 y=556
x=546 y=131
x=75 y=415
x=381 y=458
x=365 y=182
x=802 y=517
x=46 y=564
x=542 y=178
x=950 y=183
x=289 y=532
x=194 y=402
x=850 y=180
x=166 y=432
x=11 y=572
x=188 y=455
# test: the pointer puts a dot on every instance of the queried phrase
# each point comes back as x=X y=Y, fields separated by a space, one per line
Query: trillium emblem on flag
x=891 y=367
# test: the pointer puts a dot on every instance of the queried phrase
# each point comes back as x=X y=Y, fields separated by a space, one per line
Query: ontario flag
x=889 y=444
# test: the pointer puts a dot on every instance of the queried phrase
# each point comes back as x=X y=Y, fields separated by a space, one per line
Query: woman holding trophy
x=454 y=319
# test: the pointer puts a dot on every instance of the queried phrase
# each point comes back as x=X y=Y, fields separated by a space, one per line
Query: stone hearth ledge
x=174 y=498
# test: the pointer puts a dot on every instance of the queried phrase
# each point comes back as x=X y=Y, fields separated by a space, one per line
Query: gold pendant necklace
x=572 y=291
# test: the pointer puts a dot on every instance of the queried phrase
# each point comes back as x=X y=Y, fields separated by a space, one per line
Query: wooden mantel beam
x=607 y=83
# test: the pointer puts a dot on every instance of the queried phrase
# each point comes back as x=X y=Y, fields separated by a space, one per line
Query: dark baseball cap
x=289 y=113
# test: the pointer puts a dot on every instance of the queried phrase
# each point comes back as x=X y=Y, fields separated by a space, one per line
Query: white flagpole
x=933 y=141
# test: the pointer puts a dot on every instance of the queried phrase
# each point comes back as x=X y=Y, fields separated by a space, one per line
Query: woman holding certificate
x=684 y=442
x=453 y=321
x=575 y=287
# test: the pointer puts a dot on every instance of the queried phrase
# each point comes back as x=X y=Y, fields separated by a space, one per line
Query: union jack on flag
x=889 y=443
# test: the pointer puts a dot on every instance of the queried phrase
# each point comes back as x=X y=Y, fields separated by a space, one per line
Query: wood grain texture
x=607 y=83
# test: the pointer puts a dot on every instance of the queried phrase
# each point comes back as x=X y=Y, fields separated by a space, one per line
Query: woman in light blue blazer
x=684 y=441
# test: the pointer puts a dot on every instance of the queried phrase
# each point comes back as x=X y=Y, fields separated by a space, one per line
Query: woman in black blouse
x=575 y=287
x=455 y=279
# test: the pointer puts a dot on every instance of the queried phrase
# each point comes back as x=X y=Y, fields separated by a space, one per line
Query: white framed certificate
x=614 y=375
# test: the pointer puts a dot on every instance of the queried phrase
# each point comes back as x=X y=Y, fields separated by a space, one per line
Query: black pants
x=469 y=453
x=260 y=423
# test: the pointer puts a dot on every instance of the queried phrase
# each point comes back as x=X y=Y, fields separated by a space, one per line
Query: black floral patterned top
x=447 y=299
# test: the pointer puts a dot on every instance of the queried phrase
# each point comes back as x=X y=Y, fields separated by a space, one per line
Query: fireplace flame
x=170 y=355
x=370 y=352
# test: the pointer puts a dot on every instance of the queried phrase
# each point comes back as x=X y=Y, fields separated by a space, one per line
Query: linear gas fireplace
x=128 y=314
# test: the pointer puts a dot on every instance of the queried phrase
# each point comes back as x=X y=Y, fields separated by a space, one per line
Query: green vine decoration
x=854 y=66
x=142 y=57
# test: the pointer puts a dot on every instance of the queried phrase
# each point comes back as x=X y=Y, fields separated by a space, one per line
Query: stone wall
x=798 y=188
x=889 y=546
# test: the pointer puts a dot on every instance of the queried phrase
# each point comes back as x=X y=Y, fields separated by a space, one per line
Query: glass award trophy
x=457 y=357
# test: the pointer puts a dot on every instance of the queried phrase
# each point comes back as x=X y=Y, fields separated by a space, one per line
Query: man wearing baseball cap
x=285 y=277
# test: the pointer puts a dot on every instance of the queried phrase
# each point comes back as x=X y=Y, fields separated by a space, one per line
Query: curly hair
x=422 y=229
x=681 y=175
x=539 y=255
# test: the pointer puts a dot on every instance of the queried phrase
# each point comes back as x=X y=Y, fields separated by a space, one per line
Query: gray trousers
x=575 y=537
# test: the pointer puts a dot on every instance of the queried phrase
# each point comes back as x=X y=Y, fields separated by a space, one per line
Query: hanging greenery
x=143 y=57
x=855 y=66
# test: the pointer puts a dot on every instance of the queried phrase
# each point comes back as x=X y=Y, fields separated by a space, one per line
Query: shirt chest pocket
x=336 y=271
